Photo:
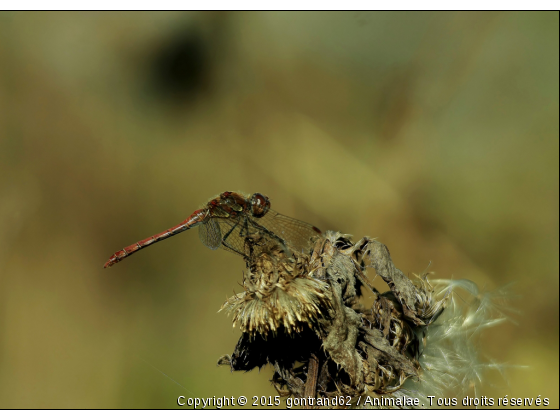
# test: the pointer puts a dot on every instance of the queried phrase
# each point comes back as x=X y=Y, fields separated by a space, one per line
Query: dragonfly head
x=259 y=205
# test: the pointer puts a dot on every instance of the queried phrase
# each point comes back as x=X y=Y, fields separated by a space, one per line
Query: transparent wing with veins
x=231 y=232
x=210 y=234
x=296 y=233
x=235 y=230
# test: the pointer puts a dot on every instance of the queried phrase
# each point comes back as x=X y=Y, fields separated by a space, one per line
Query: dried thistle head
x=304 y=307
x=279 y=292
x=450 y=358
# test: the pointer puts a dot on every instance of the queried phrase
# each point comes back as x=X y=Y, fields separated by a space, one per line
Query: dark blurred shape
x=180 y=68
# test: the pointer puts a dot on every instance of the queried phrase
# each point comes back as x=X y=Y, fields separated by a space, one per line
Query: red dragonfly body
x=227 y=220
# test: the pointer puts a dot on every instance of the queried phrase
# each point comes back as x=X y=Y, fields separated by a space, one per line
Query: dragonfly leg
x=229 y=233
x=245 y=229
x=233 y=249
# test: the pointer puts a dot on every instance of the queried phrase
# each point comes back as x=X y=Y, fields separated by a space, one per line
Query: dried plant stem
x=312 y=375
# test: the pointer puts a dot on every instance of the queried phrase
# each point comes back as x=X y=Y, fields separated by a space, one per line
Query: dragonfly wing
x=236 y=231
x=210 y=234
x=296 y=233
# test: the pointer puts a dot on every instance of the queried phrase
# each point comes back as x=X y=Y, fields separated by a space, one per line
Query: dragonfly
x=228 y=220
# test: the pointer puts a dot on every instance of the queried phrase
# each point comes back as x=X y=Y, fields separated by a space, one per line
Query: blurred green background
x=436 y=133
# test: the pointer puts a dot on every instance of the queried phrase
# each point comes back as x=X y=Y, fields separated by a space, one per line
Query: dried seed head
x=309 y=303
x=278 y=293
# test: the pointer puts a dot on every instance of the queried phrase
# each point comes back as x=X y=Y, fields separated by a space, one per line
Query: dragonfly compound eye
x=259 y=205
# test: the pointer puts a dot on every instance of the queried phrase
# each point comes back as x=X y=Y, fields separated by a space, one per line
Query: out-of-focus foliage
x=436 y=133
